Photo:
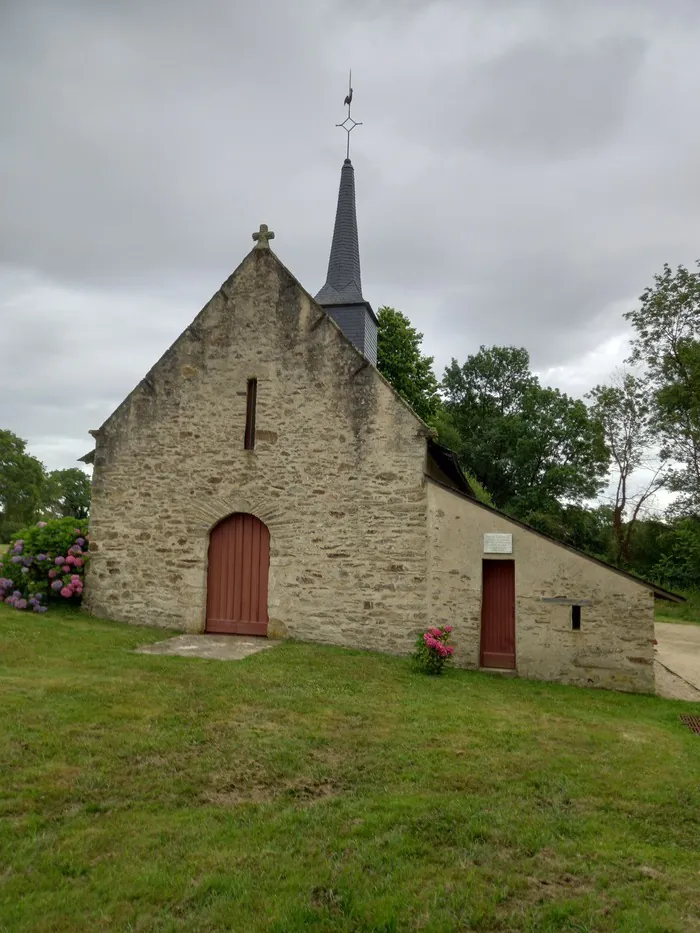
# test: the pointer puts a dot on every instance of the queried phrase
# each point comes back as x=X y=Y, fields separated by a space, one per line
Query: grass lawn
x=687 y=613
x=316 y=789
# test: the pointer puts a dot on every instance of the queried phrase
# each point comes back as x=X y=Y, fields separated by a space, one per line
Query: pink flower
x=66 y=592
x=447 y=629
x=41 y=524
x=52 y=574
x=75 y=578
x=435 y=632
x=66 y=568
x=79 y=561
x=70 y=559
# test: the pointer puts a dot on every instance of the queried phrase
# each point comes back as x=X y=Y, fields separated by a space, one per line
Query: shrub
x=432 y=651
x=43 y=563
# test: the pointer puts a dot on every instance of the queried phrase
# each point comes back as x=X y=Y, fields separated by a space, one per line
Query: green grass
x=316 y=789
x=685 y=613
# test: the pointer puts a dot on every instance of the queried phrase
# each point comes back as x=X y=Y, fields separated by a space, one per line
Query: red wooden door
x=239 y=560
x=498 y=614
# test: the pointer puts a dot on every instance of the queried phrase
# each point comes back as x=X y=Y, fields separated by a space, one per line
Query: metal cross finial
x=348 y=123
x=262 y=236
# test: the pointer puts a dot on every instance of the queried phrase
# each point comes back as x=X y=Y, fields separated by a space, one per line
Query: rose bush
x=432 y=651
x=45 y=562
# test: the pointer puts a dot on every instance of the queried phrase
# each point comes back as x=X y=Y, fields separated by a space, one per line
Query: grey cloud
x=549 y=102
x=134 y=141
x=523 y=169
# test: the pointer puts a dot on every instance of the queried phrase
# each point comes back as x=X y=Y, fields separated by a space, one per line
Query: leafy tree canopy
x=667 y=343
x=624 y=409
x=532 y=447
x=678 y=564
x=68 y=493
x=21 y=484
x=401 y=361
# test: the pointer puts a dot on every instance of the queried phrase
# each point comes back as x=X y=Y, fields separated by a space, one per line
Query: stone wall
x=336 y=474
x=614 y=647
x=364 y=550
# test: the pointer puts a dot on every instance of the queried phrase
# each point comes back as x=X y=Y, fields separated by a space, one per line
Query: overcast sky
x=524 y=168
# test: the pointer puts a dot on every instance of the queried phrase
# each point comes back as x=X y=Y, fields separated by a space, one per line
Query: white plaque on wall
x=498 y=544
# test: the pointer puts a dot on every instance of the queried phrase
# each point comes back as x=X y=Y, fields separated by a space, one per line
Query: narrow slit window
x=576 y=618
x=249 y=441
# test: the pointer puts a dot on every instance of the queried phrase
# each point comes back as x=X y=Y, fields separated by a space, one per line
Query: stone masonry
x=336 y=474
x=615 y=646
x=365 y=549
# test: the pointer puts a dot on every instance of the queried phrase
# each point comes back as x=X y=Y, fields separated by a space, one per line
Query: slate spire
x=341 y=296
x=344 y=282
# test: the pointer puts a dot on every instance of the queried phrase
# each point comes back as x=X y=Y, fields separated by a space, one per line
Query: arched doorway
x=239 y=561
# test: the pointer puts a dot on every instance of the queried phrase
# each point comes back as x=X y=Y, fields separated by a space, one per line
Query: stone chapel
x=264 y=479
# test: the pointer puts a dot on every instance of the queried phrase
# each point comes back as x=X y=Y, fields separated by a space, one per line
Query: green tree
x=678 y=565
x=68 y=493
x=401 y=361
x=585 y=528
x=589 y=529
x=22 y=480
x=532 y=447
x=646 y=546
x=445 y=428
x=624 y=410
x=667 y=343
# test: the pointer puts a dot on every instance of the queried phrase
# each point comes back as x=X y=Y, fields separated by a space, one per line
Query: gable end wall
x=336 y=475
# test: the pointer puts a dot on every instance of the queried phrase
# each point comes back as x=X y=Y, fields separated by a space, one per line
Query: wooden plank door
x=239 y=561
x=498 y=614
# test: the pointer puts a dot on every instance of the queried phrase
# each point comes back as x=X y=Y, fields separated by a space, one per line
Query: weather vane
x=348 y=123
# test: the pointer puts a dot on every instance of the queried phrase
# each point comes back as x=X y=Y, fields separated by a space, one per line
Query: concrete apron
x=678 y=649
x=211 y=647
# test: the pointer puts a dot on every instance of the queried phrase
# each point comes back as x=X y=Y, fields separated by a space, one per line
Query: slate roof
x=448 y=461
x=343 y=282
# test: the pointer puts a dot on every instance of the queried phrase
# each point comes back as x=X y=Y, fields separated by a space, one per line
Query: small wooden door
x=498 y=614
x=239 y=561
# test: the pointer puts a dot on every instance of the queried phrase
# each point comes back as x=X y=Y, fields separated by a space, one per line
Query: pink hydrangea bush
x=433 y=651
x=43 y=563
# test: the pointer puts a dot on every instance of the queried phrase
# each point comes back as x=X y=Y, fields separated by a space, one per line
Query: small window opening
x=249 y=441
x=576 y=618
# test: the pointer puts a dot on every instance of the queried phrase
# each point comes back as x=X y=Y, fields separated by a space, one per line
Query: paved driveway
x=678 y=651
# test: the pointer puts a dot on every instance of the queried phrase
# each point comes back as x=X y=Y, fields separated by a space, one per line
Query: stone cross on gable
x=262 y=237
